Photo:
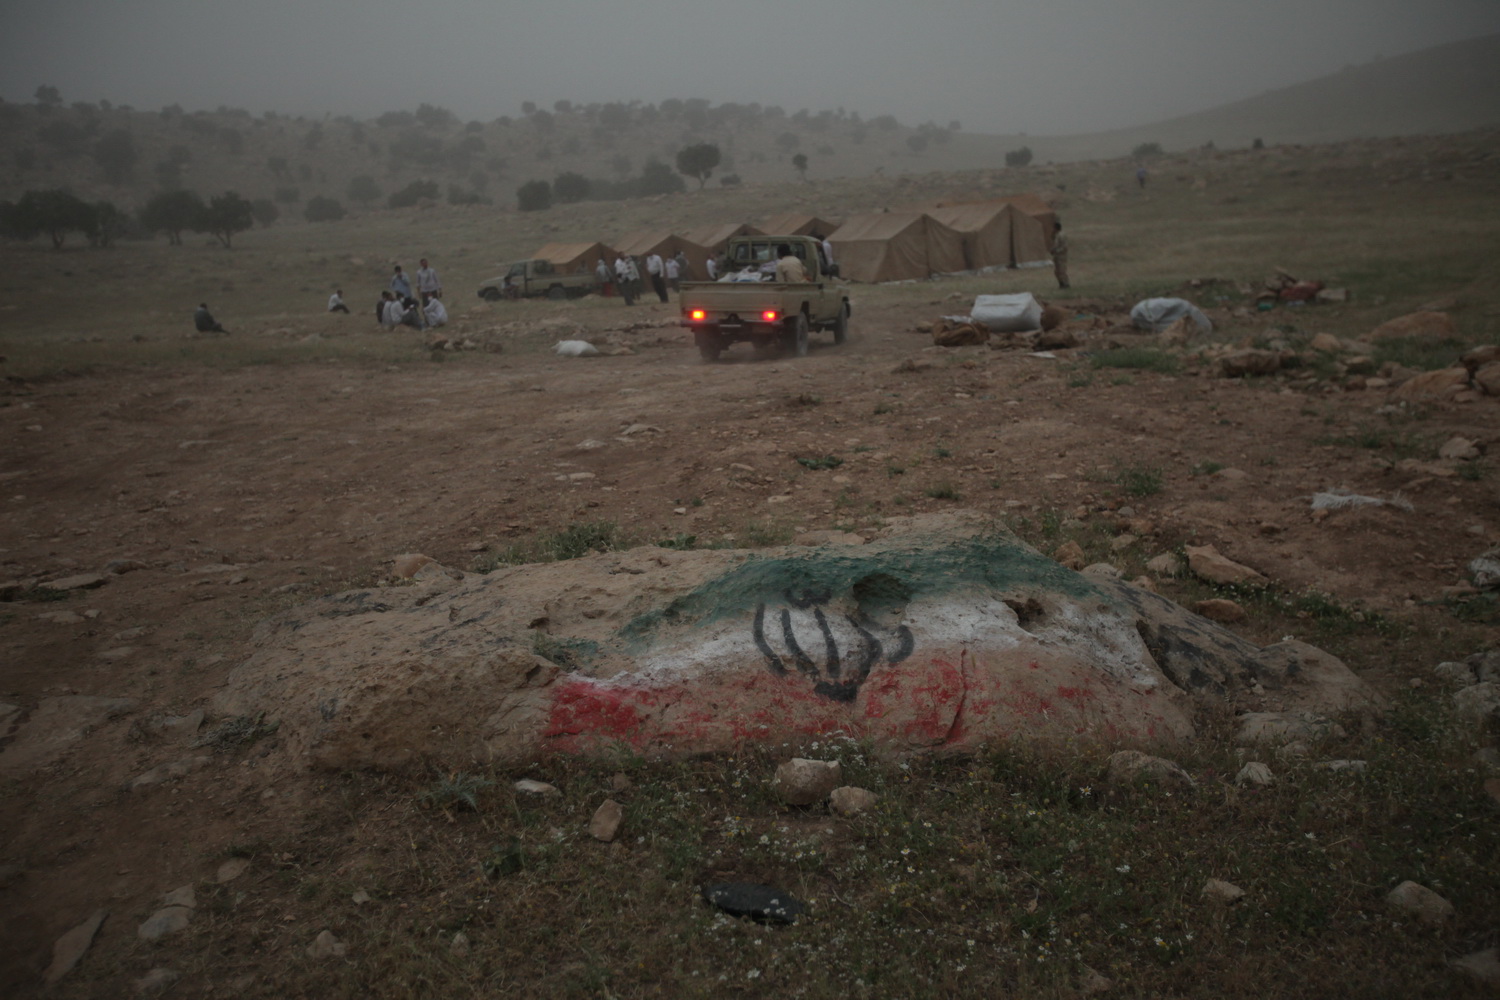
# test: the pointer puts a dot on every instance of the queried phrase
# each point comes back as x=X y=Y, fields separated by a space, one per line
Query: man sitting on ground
x=204 y=322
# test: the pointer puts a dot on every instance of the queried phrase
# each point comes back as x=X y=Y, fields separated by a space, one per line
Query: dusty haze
x=1000 y=66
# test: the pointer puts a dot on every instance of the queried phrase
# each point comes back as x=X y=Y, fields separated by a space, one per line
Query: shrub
x=413 y=193
x=323 y=209
x=1146 y=150
x=1018 y=157
x=534 y=196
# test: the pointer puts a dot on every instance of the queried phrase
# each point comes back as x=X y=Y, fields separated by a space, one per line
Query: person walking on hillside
x=336 y=302
x=428 y=282
x=401 y=284
x=1140 y=176
x=1060 y=255
x=658 y=272
x=673 y=274
x=204 y=322
x=623 y=267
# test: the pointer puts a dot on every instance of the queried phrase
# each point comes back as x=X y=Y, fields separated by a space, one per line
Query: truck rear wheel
x=841 y=324
x=710 y=344
x=796 y=338
x=557 y=292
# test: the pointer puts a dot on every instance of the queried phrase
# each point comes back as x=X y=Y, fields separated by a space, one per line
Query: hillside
x=289 y=160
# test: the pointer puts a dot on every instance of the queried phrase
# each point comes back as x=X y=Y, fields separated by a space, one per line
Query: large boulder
x=943 y=631
x=1419 y=324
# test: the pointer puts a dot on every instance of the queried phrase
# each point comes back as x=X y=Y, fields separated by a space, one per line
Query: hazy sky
x=1043 y=67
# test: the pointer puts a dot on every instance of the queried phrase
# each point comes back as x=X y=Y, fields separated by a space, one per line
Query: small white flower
x=753 y=974
x=1122 y=869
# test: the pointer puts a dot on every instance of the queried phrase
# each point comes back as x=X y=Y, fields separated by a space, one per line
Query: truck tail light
x=770 y=315
x=698 y=314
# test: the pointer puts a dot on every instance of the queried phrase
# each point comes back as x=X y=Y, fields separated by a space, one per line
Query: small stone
x=1070 y=554
x=157 y=980
x=360 y=897
x=1166 y=564
x=620 y=782
x=1420 y=902
x=168 y=920
x=81 y=581
x=848 y=800
x=1092 y=982
x=181 y=896
x=1220 y=610
x=1459 y=449
x=606 y=822
x=529 y=787
x=760 y=902
x=69 y=949
x=1255 y=773
x=171 y=771
x=1478 y=703
x=1218 y=891
x=404 y=567
x=1482 y=965
x=1456 y=674
x=1133 y=768
x=1337 y=766
x=459 y=946
x=1271 y=728
x=1206 y=561
x=231 y=870
x=325 y=945
x=803 y=782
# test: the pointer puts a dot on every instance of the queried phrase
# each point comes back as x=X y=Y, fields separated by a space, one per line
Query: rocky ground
x=152 y=517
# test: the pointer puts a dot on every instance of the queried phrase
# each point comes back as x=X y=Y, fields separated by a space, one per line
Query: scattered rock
x=620 y=782
x=181 y=896
x=1336 y=766
x=1249 y=362
x=157 y=980
x=759 y=902
x=1327 y=343
x=1132 y=768
x=1485 y=570
x=1220 y=610
x=1482 y=965
x=69 y=949
x=1206 y=561
x=849 y=800
x=1255 y=773
x=231 y=870
x=606 y=822
x=359 y=897
x=459 y=946
x=1459 y=449
x=1420 y=902
x=1437 y=325
x=1444 y=383
x=1070 y=554
x=169 y=772
x=325 y=945
x=1218 y=891
x=10 y=717
x=529 y=787
x=1478 y=703
x=1456 y=674
x=803 y=782
x=404 y=567
x=1059 y=339
x=54 y=725
x=1090 y=982
x=1271 y=728
x=167 y=920
x=1487 y=379
x=81 y=581
x=1166 y=564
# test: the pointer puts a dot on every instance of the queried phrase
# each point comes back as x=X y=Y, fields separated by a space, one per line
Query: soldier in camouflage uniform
x=1060 y=255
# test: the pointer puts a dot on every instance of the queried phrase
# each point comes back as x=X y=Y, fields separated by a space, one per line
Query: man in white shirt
x=434 y=312
x=336 y=302
x=657 y=270
x=623 y=269
x=673 y=274
x=428 y=282
x=713 y=268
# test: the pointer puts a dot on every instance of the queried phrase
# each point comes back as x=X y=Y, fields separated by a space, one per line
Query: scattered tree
x=115 y=153
x=226 y=215
x=658 y=178
x=534 y=196
x=363 y=189
x=1018 y=157
x=799 y=163
x=265 y=211
x=570 y=187
x=698 y=161
x=48 y=96
x=413 y=193
x=172 y=212
x=1146 y=150
x=322 y=209
x=108 y=224
x=1258 y=144
x=55 y=212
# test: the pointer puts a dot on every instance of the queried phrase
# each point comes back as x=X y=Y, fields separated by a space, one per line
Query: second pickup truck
x=748 y=304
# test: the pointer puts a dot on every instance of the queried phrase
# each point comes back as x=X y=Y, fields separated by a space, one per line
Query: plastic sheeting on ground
x=1158 y=314
x=1017 y=313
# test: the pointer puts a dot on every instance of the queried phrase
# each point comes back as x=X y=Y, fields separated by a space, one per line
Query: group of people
x=398 y=306
x=625 y=276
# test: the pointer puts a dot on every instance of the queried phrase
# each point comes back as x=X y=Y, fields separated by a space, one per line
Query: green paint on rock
x=880 y=583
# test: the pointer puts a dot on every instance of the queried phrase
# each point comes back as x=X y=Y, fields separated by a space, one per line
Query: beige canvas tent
x=714 y=238
x=575 y=258
x=797 y=224
x=644 y=242
x=895 y=246
x=1005 y=232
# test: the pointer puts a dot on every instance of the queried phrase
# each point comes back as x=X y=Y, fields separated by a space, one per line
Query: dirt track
x=238 y=490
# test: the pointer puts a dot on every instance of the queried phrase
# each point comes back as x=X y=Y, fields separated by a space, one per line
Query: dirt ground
x=227 y=494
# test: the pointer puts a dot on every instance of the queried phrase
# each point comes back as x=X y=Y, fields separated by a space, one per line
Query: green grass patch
x=570 y=543
x=1138 y=359
x=821 y=462
x=1140 y=480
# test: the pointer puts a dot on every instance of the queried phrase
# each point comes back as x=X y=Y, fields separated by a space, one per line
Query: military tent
x=644 y=242
x=575 y=258
x=895 y=246
x=714 y=238
x=797 y=224
x=1007 y=232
